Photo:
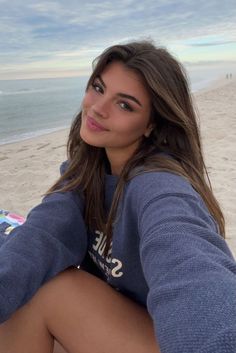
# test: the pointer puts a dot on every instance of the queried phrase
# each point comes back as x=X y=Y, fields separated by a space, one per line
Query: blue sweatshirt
x=166 y=254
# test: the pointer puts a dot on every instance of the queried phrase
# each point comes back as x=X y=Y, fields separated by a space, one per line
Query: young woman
x=133 y=208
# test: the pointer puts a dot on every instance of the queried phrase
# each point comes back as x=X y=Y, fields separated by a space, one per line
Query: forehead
x=122 y=79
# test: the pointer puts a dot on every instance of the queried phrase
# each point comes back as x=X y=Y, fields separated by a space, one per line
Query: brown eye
x=97 y=87
x=126 y=106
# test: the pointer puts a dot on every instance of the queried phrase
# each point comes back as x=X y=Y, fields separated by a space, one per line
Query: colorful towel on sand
x=8 y=221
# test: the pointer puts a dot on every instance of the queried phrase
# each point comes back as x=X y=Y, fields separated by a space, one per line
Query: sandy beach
x=28 y=168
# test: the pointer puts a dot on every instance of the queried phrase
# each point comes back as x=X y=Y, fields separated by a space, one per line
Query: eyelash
x=99 y=89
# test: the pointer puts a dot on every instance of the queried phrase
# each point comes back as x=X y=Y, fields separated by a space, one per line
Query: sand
x=28 y=168
x=217 y=112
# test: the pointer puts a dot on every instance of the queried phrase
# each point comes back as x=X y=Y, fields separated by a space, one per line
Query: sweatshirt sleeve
x=188 y=267
x=53 y=238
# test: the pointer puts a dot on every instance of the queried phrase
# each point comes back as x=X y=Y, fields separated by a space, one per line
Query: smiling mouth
x=94 y=125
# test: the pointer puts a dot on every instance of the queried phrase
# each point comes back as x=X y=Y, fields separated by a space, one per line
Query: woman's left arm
x=190 y=272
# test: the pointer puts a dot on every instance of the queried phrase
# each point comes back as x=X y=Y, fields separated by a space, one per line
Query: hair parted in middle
x=174 y=144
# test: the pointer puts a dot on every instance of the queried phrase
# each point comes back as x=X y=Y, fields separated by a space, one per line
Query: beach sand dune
x=28 y=168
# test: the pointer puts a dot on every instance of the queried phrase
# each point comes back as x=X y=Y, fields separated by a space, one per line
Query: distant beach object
x=229 y=76
x=8 y=221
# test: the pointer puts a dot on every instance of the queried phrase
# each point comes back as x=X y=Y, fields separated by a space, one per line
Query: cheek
x=135 y=127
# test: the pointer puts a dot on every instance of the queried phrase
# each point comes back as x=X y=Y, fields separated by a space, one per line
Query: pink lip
x=94 y=125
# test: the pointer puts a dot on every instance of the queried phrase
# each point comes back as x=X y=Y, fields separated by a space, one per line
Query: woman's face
x=115 y=111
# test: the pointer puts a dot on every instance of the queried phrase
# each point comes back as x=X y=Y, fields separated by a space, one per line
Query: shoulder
x=165 y=194
x=154 y=184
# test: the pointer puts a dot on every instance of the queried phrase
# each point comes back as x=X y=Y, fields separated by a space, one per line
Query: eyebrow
x=123 y=95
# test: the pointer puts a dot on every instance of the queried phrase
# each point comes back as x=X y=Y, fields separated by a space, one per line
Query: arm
x=52 y=239
x=190 y=273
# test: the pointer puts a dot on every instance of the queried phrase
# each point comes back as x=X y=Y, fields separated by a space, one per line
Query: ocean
x=35 y=107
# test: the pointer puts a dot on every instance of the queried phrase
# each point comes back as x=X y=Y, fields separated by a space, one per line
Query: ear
x=148 y=130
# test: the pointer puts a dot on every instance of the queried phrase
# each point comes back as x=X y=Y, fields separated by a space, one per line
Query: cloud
x=209 y=44
x=82 y=29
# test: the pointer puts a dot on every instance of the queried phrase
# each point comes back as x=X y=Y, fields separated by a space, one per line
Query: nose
x=101 y=108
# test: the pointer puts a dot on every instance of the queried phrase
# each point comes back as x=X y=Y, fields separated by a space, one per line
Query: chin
x=89 y=139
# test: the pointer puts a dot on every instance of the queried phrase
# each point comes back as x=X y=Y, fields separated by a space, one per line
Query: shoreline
x=28 y=168
x=35 y=139
x=32 y=136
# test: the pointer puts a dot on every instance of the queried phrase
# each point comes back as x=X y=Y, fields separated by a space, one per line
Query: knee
x=63 y=286
x=66 y=280
x=47 y=294
x=68 y=286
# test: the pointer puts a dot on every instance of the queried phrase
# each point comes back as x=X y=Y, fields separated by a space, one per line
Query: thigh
x=58 y=348
x=86 y=315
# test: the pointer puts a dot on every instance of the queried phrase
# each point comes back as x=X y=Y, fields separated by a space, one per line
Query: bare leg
x=58 y=348
x=84 y=314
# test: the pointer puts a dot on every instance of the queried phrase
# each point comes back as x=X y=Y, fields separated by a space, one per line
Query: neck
x=117 y=160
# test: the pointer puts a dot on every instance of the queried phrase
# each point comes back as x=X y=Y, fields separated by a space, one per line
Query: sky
x=61 y=38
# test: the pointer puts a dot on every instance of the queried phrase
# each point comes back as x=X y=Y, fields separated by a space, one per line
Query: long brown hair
x=175 y=134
